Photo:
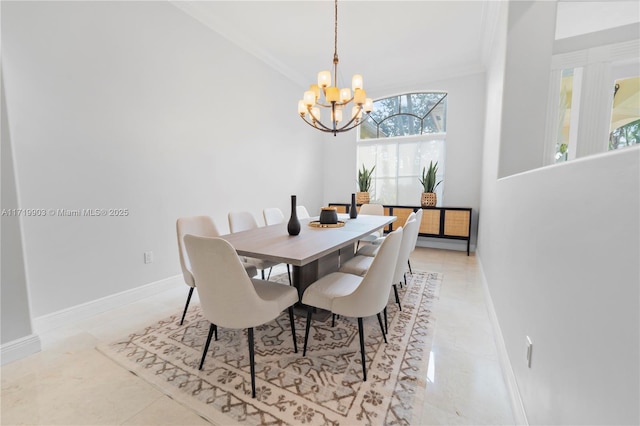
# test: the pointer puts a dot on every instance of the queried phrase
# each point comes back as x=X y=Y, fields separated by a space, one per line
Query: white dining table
x=314 y=252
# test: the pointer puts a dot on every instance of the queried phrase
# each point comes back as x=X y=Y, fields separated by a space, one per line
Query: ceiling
x=388 y=42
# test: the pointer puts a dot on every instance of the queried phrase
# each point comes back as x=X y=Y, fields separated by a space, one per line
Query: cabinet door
x=456 y=223
x=340 y=209
x=430 y=221
x=402 y=213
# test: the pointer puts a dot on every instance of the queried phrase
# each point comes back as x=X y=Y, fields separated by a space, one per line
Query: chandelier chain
x=335 y=34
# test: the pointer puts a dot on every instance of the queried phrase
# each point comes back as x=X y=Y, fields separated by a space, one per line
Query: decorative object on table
x=353 y=210
x=293 y=227
x=429 y=185
x=167 y=355
x=328 y=215
x=318 y=224
x=364 y=184
x=335 y=99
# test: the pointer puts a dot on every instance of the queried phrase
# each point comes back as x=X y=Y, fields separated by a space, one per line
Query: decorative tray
x=317 y=224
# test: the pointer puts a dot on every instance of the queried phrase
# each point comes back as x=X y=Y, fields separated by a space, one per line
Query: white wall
x=136 y=105
x=559 y=247
x=15 y=311
x=465 y=127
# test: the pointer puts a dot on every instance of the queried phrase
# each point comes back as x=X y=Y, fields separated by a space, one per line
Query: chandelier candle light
x=334 y=98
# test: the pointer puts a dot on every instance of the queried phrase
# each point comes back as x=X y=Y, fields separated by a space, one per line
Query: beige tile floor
x=71 y=383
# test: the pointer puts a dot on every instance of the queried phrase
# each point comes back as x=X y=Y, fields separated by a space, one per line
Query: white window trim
x=596 y=95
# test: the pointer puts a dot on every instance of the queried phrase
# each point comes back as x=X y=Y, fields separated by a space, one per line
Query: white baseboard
x=81 y=312
x=519 y=413
x=19 y=348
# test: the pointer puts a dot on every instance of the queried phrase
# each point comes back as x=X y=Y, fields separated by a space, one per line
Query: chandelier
x=333 y=98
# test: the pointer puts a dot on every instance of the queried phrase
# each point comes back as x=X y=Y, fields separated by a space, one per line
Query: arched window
x=400 y=137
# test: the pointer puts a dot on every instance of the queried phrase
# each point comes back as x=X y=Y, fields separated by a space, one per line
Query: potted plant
x=429 y=185
x=364 y=184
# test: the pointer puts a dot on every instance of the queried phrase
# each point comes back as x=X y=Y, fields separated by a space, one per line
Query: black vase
x=293 y=227
x=353 y=210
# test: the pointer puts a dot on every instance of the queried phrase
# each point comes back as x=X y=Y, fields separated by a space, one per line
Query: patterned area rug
x=323 y=388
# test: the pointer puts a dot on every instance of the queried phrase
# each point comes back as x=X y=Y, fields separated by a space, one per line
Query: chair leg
x=262 y=271
x=364 y=365
x=333 y=320
x=212 y=327
x=269 y=276
x=405 y=278
x=215 y=332
x=395 y=290
x=409 y=262
x=386 y=326
x=187 y=305
x=382 y=327
x=252 y=364
x=289 y=274
x=293 y=329
x=306 y=332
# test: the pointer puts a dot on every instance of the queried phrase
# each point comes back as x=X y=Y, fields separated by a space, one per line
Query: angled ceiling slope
x=393 y=44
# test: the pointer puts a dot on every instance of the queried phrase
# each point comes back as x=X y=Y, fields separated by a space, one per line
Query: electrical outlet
x=529 y=351
x=148 y=257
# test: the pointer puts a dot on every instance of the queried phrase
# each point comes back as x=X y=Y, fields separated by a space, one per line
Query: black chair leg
x=306 y=332
x=405 y=279
x=293 y=329
x=410 y=271
x=364 y=365
x=212 y=327
x=187 y=305
x=382 y=327
x=289 y=274
x=252 y=364
x=395 y=290
x=269 y=276
x=386 y=326
x=262 y=271
x=333 y=320
x=215 y=332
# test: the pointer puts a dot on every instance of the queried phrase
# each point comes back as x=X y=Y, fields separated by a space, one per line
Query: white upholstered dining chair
x=359 y=265
x=355 y=296
x=244 y=221
x=229 y=298
x=302 y=212
x=371 y=209
x=415 y=240
x=203 y=226
x=272 y=215
x=371 y=249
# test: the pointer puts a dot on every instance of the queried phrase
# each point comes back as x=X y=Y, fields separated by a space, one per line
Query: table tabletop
x=274 y=243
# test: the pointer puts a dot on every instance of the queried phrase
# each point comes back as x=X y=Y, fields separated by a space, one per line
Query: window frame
x=398 y=141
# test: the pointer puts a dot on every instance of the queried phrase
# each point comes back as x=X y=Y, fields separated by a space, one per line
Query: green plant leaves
x=428 y=180
x=364 y=178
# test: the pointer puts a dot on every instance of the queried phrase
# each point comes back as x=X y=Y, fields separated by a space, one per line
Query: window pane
x=421 y=103
x=409 y=159
x=625 y=115
x=400 y=125
x=436 y=121
x=432 y=151
x=404 y=115
x=409 y=191
x=367 y=155
x=385 y=192
x=386 y=161
x=564 y=115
